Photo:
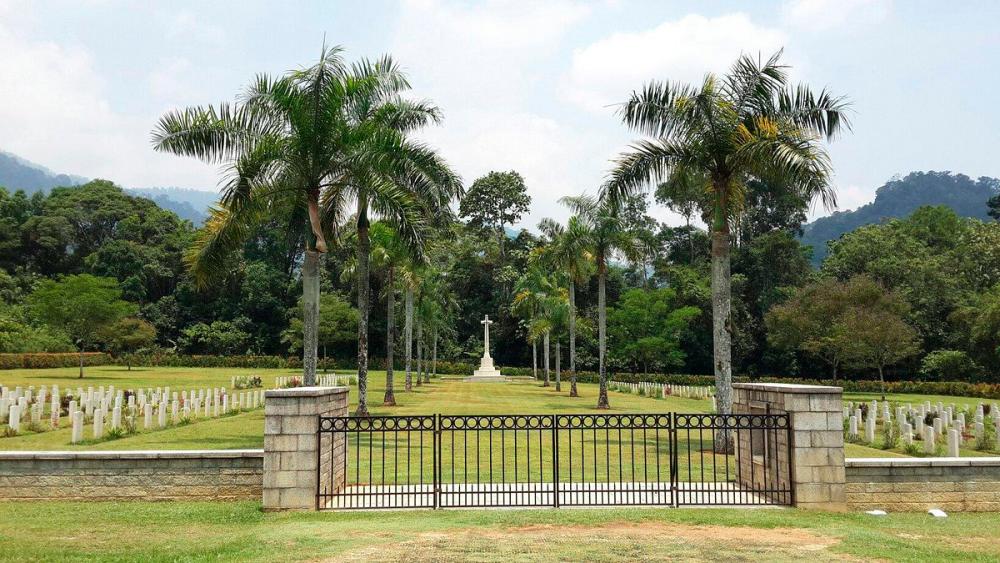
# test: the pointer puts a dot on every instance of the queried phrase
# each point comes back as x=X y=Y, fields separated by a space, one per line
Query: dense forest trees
x=942 y=269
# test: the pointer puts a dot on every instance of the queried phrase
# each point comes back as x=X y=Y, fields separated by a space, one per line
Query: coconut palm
x=608 y=234
x=292 y=147
x=749 y=124
x=568 y=250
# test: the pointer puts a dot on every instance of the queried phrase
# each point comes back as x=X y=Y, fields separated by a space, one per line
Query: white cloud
x=186 y=25
x=171 y=80
x=482 y=64
x=54 y=110
x=607 y=71
x=820 y=15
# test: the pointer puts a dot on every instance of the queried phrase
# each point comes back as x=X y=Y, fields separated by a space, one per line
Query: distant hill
x=187 y=203
x=899 y=197
x=17 y=173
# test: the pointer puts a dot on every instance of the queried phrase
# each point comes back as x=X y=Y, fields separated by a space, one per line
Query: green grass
x=443 y=396
x=139 y=531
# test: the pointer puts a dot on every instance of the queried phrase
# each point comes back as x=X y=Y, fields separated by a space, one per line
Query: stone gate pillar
x=292 y=465
x=817 y=472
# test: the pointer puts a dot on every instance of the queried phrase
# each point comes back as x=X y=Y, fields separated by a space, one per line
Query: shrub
x=52 y=360
x=944 y=364
x=247 y=382
x=890 y=437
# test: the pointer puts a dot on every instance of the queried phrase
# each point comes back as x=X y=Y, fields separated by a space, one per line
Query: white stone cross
x=486 y=335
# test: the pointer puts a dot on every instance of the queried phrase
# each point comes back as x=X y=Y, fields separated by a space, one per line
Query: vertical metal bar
x=555 y=463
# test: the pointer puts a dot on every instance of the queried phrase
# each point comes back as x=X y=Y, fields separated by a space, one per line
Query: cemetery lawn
x=171 y=531
x=447 y=395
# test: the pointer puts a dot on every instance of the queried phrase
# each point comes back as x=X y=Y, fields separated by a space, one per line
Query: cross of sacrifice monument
x=486 y=371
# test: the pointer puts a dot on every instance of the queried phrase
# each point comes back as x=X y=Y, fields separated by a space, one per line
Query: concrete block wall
x=294 y=470
x=967 y=484
x=817 y=473
x=132 y=475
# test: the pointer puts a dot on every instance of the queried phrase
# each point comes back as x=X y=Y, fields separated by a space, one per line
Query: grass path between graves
x=173 y=531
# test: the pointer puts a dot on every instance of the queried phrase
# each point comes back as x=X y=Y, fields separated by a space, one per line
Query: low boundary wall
x=956 y=484
x=132 y=475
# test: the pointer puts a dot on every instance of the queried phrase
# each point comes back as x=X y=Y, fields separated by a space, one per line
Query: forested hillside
x=901 y=196
x=18 y=174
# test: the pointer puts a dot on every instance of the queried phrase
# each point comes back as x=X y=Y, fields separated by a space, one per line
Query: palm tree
x=406 y=190
x=568 y=250
x=530 y=295
x=289 y=148
x=608 y=234
x=557 y=313
x=388 y=255
x=747 y=125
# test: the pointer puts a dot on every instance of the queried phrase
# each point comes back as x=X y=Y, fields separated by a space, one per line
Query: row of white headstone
x=663 y=390
x=94 y=405
x=948 y=423
x=322 y=380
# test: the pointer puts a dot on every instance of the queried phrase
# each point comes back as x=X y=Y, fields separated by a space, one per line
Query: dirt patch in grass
x=611 y=542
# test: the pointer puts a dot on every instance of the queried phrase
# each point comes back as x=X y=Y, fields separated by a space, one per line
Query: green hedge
x=53 y=360
x=57 y=360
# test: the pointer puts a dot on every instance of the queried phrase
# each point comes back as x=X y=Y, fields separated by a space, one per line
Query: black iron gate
x=553 y=460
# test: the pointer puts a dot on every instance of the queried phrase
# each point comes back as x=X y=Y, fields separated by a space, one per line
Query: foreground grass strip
x=241 y=532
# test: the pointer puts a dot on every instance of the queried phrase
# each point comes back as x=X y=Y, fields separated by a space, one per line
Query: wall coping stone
x=923 y=462
x=133 y=454
x=789 y=388
x=303 y=392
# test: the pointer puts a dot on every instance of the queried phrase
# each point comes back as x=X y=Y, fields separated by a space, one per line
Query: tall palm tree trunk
x=408 y=337
x=721 y=329
x=364 y=305
x=420 y=353
x=602 y=336
x=310 y=316
x=545 y=356
x=389 y=399
x=558 y=376
x=434 y=354
x=572 y=339
x=534 y=359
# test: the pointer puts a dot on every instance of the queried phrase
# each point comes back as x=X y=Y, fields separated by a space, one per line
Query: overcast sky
x=528 y=86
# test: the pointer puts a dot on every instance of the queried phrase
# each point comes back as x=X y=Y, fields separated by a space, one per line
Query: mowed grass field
x=443 y=396
x=176 y=531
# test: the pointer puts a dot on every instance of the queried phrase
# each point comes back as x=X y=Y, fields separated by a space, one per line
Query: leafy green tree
x=879 y=338
x=494 y=201
x=948 y=365
x=17 y=335
x=646 y=325
x=220 y=338
x=338 y=324
x=747 y=125
x=128 y=336
x=81 y=306
x=827 y=319
x=994 y=207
